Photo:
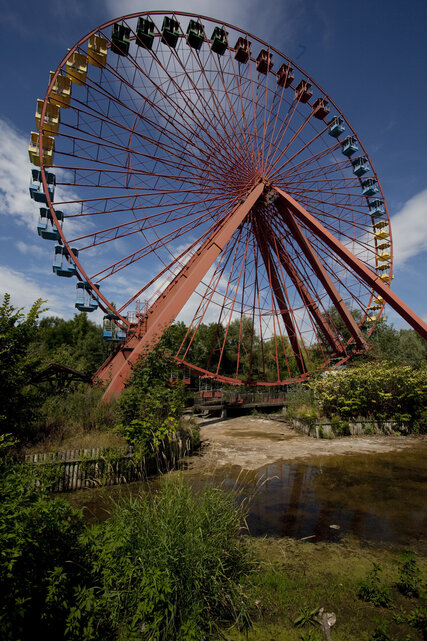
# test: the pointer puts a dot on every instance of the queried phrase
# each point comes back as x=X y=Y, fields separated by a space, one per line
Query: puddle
x=375 y=497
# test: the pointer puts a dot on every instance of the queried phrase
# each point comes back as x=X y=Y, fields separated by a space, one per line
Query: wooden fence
x=75 y=469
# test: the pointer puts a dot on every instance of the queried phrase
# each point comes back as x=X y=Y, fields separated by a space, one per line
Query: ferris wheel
x=191 y=171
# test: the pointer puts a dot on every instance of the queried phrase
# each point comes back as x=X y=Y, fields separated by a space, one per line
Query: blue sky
x=368 y=56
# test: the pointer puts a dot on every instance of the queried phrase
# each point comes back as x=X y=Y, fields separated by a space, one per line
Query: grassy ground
x=294 y=577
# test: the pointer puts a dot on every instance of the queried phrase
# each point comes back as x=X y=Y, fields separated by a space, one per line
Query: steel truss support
x=291 y=210
x=170 y=302
x=286 y=210
x=276 y=285
x=306 y=297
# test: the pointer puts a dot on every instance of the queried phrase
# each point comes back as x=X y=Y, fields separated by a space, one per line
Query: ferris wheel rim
x=81 y=273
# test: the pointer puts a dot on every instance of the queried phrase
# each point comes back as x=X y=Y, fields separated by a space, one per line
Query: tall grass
x=166 y=566
x=300 y=402
x=75 y=412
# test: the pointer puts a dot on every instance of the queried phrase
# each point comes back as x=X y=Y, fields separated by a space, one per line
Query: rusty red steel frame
x=277 y=288
x=322 y=274
x=168 y=305
x=319 y=318
x=294 y=210
x=182 y=172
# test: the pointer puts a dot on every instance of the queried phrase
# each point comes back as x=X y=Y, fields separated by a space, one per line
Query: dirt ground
x=252 y=442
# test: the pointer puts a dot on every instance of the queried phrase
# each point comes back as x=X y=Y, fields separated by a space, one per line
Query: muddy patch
x=251 y=442
x=254 y=434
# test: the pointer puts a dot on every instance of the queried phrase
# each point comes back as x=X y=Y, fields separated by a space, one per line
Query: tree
x=17 y=366
x=76 y=343
x=403 y=347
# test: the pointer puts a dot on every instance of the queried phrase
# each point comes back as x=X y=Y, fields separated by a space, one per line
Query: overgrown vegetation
x=163 y=567
x=295 y=579
x=372 y=590
x=150 y=407
x=19 y=401
x=173 y=565
x=40 y=556
x=372 y=390
x=410 y=582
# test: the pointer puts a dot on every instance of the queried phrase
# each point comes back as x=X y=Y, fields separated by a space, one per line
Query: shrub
x=381 y=632
x=340 y=428
x=299 y=402
x=164 y=567
x=17 y=366
x=371 y=589
x=76 y=411
x=410 y=581
x=39 y=559
x=149 y=407
x=380 y=391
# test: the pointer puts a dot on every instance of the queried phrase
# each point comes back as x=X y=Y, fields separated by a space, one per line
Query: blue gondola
x=46 y=228
x=360 y=165
x=336 y=126
x=36 y=192
x=376 y=208
x=349 y=146
x=369 y=187
x=111 y=330
x=86 y=300
x=62 y=265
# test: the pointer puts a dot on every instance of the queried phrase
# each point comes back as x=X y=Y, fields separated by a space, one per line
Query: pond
x=374 y=497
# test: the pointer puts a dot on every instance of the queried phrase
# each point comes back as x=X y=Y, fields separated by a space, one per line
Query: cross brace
x=295 y=210
x=170 y=302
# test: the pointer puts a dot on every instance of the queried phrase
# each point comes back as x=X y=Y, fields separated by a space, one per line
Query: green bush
x=164 y=567
x=410 y=581
x=150 y=408
x=40 y=557
x=299 y=402
x=378 y=391
x=381 y=632
x=371 y=589
x=19 y=400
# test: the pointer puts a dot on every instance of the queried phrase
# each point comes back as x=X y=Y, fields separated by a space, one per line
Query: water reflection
x=379 y=497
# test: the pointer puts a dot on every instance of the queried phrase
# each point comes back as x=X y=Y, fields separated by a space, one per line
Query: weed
x=371 y=589
x=169 y=564
x=409 y=582
x=381 y=632
x=416 y=618
x=306 y=617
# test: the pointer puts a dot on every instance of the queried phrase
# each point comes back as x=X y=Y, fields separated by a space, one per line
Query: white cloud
x=24 y=290
x=32 y=250
x=15 y=171
x=15 y=174
x=409 y=229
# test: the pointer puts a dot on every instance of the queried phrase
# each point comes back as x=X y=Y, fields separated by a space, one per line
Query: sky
x=369 y=57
